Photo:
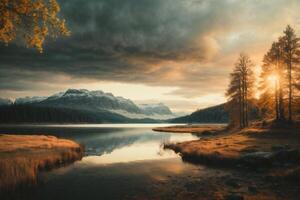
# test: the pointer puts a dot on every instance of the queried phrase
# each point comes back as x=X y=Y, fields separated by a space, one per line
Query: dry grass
x=231 y=148
x=263 y=163
x=22 y=157
x=197 y=129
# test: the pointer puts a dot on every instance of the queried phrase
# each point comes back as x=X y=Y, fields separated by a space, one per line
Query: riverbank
x=194 y=129
x=250 y=147
x=262 y=162
x=22 y=157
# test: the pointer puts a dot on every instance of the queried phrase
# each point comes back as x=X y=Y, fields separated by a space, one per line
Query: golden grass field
x=23 y=156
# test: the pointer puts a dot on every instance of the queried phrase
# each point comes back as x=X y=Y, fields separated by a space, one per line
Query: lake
x=122 y=161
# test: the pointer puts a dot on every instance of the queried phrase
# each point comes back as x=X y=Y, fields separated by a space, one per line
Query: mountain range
x=96 y=106
x=84 y=106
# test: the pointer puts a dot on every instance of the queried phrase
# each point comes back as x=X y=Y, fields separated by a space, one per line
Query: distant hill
x=214 y=114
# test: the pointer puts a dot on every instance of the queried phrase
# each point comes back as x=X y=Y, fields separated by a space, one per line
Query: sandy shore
x=23 y=156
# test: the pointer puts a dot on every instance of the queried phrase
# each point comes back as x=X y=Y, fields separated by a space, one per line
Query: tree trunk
x=281 y=106
x=290 y=91
x=276 y=102
x=281 y=116
x=240 y=105
x=246 y=102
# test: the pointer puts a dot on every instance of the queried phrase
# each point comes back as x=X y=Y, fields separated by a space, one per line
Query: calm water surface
x=121 y=161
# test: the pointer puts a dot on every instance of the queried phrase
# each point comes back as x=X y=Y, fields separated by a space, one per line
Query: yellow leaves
x=31 y=20
x=36 y=41
x=7 y=30
x=44 y=31
x=64 y=29
x=55 y=6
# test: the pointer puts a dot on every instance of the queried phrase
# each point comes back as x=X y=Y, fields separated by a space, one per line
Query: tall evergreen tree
x=291 y=50
x=240 y=91
x=272 y=82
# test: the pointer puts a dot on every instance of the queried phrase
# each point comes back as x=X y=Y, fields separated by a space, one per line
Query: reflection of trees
x=107 y=143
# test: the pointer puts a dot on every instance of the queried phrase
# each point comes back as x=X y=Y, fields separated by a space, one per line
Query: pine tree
x=240 y=91
x=291 y=51
x=272 y=82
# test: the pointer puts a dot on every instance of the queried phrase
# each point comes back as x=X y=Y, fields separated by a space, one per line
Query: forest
x=274 y=92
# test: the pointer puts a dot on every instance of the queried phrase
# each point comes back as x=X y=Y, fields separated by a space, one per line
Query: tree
x=234 y=94
x=272 y=82
x=291 y=52
x=240 y=91
x=30 y=21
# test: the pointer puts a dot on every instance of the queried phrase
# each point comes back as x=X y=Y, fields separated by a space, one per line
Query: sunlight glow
x=273 y=80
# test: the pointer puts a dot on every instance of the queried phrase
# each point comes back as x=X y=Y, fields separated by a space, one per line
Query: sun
x=273 y=80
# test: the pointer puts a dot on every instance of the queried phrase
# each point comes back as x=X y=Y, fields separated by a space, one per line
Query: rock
x=259 y=154
x=234 y=197
x=260 y=158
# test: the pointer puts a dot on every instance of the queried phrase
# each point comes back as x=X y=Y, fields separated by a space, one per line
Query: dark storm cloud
x=138 y=41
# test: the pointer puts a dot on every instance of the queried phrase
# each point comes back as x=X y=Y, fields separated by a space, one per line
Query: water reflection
x=120 y=162
x=111 y=143
x=125 y=180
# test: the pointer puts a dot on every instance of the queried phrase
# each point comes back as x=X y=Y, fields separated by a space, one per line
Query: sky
x=178 y=52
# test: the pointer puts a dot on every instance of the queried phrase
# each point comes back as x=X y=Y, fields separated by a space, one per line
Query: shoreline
x=194 y=129
x=23 y=157
x=267 y=158
x=247 y=147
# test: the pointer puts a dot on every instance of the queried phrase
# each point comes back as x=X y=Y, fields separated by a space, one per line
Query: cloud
x=188 y=44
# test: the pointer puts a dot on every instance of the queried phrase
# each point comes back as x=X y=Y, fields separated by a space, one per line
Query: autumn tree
x=240 y=91
x=30 y=21
x=291 y=53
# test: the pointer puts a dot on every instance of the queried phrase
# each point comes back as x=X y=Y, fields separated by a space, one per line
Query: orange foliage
x=30 y=20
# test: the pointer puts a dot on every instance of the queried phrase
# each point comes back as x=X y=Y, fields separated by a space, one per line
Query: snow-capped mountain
x=29 y=100
x=155 y=109
x=5 y=102
x=84 y=99
x=99 y=101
